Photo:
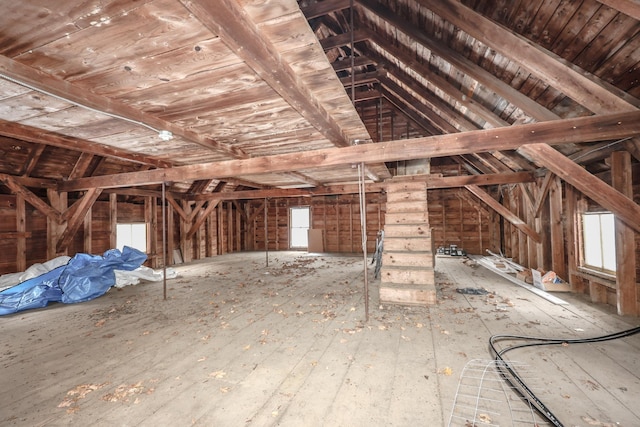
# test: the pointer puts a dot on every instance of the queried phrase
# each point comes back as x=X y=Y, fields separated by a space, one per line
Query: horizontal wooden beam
x=15 y=235
x=344 y=39
x=575 y=130
x=433 y=182
x=23 y=132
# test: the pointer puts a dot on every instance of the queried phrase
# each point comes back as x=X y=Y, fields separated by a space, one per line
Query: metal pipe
x=266 y=233
x=164 y=244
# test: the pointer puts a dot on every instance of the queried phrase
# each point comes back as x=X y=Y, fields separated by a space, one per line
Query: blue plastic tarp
x=83 y=278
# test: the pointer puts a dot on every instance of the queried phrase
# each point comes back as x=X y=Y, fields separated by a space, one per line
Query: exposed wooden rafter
x=584 y=129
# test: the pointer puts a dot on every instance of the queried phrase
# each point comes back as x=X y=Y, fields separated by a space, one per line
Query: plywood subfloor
x=241 y=344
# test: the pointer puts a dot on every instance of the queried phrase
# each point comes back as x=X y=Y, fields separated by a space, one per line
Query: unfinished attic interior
x=352 y=198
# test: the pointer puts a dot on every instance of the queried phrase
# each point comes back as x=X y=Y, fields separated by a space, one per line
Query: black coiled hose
x=509 y=374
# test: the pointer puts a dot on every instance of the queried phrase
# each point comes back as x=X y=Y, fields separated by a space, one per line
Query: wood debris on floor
x=241 y=344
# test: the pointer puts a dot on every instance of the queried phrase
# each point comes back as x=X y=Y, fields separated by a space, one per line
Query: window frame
x=291 y=227
x=603 y=232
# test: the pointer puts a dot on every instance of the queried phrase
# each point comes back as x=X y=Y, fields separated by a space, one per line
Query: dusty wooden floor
x=241 y=344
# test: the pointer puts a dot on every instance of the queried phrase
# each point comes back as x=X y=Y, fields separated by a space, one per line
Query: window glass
x=598 y=239
x=133 y=235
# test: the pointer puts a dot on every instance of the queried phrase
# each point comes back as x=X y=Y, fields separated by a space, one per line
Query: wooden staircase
x=407 y=275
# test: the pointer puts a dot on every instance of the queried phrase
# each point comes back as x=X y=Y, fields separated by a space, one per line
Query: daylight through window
x=133 y=235
x=598 y=237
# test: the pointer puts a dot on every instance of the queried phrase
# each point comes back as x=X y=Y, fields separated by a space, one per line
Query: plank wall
x=457 y=219
x=337 y=216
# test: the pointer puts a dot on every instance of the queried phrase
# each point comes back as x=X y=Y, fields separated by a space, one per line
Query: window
x=133 y=235
x=299 y=229
x=598 y=241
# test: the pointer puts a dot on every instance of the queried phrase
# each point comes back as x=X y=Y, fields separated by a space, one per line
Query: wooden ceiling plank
x=593 y=187
x=542 y=63
x=442 y=124
x=403 y=105
x=66 y=90
x=504 y=212
x=431 y=103
x=436 y=80
x=574 y=130
x=227 y=19
x=457 y=96
x=629 y=8
x=484 y=77
x=30 y=197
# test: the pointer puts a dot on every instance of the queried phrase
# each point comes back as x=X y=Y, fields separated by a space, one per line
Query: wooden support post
x=58 y=202
x=21 y=240
x=558 y=263
x=211 y=234
x=229 y=226
x=523 y=212
x=219 y=229
x=150 y=243
x=186 y=245
x=170 y=234
x=155 y=247
x=88 y=232
x=626 y=286
x=576 y=282
x=113 y=220
x=238 y=228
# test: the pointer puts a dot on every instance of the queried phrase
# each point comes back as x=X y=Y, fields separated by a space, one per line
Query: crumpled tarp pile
x=83 y=278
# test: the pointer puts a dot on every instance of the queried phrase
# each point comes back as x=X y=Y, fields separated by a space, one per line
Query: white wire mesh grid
x=485 y=399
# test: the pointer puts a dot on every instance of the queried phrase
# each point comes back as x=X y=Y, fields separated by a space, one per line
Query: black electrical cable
x=509 y=374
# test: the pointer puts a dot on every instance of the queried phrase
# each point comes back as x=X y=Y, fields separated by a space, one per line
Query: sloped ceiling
x=87 y=88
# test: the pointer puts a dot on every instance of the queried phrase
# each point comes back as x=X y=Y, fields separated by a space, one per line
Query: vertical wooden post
x=523 y=212
x=230 y=238
x=219 y=228
x=238 y=229
x=481 y=243
x=21 y=239
x=626 y=286
x=557 y=231
x=113 y=220
x=54 y=230
x=515 y=233
x=572 y=231
x=276 y=224
x=152 y=230
x=211 y=233
x=351 y=226
x=170 y=234
x=88 y=232
x=186 y=245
